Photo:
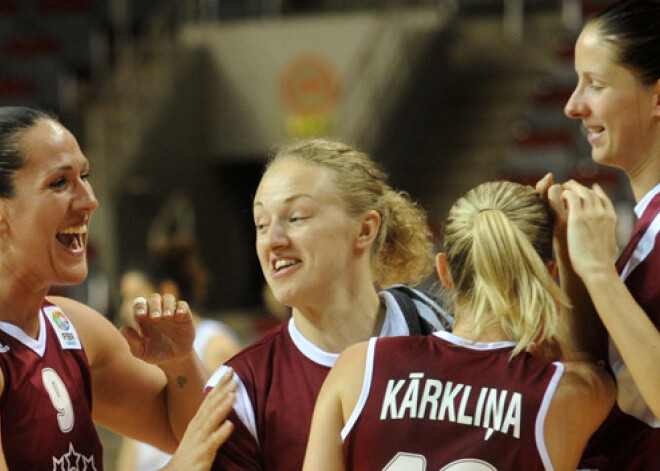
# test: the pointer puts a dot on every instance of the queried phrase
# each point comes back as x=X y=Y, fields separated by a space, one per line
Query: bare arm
x=584 y=397
x=131 y=396
x=207 y=431
x=592 y=247
x=3 y=462
x=581 y=332
x=165 y=337
x=336 y=401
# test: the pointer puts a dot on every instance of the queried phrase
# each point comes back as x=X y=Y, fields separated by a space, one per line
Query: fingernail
x=167 y=313
x=155 y=314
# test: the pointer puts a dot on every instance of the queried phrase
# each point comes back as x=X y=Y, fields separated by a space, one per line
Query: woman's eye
x=84 y=176
x=59 y=183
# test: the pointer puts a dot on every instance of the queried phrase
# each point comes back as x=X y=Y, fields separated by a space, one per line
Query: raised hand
x=591 y=235
x=165 y=329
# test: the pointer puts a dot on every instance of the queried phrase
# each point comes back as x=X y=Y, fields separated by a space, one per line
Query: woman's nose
x=575 y=107
x=86 y=199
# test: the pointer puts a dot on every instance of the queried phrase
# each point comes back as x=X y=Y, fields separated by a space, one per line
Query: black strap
x=417 y=325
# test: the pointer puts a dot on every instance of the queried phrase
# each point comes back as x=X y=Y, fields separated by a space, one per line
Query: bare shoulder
x=589 y=380
x=347 y=376
x=588 y=389
x=95 y=331
x=352 y=359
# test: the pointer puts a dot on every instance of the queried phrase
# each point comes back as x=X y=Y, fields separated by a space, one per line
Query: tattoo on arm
x=181 y=381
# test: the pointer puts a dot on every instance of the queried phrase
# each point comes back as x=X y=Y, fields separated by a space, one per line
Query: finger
x=572 y=201
x=155 y=304
x=605 y=200
x=182 y=310
x=544 y=183
x=221 y=434
x=133 y=338
x=555 y=200
x=139 y=306
x=224 y=379
x=169 y=304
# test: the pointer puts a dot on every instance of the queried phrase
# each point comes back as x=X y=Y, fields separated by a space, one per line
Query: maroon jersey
x=279 y=378
x=46 y=405
x=443 y=402
x=630 y=438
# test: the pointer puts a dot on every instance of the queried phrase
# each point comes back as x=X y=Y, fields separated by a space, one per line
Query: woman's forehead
x=290 y=177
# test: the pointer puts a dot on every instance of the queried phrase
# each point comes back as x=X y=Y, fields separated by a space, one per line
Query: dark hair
x=632 y=27
x=13 y=121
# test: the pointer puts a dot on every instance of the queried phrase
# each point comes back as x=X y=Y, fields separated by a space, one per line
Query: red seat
x=8 y=7
x=32 y=46
x=16 y=88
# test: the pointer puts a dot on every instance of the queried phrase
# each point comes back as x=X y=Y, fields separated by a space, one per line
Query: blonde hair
x=402 y=251
x=497 y=240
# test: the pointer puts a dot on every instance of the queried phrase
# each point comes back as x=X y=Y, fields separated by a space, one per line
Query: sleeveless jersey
x=629 y=439
x=279 y=379
x=46 y=405
x=443 y=402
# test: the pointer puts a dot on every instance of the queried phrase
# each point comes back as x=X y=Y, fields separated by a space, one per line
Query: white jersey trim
x=37 y=345
x=635 y=403
x=393 y=325
x=243 y=405
x=471 y=344
x=643 y=249
x=646 y=200
x=309 y=349
x=366 y=388
x=543 y=413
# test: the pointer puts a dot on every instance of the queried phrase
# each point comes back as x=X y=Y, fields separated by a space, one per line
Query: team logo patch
x=64 y=328
x=74 y=461
x=61 y=320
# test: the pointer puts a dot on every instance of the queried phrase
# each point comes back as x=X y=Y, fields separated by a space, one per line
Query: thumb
x=133 y=338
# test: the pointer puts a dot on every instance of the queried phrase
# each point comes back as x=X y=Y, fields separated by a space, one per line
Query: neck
x=350 y=319
x=464 y=327
x=646 y=175
x=20 y=304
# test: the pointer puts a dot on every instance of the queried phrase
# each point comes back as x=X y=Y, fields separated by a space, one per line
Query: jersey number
x=59 y=397
x=412 y=462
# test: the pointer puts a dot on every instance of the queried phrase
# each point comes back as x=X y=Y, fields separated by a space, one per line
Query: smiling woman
x=617 y=98
x=330 y=235
x=57 y=354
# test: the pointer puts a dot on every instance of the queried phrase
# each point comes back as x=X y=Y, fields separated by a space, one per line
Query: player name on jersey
x=418 y=397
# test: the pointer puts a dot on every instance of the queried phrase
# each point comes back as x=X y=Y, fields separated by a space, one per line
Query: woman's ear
x=442 y=268
x=368 y=230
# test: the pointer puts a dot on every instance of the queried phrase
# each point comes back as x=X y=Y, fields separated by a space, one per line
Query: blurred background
x=177 y=104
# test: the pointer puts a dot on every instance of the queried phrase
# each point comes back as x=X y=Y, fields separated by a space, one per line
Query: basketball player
x=617 y=98
x=330 y=234
x=488 y=396
x=57 y=356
